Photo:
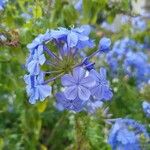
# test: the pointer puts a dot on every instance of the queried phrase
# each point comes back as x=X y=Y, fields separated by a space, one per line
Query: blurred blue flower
x=36 y=88
x=77 y=84
x=146 y=108
x=78 y=5
x=104 y=44
x=108 y=27
x=101 y=90
x=64 y=103
x=129 y=56
x=125 y=133
x=26 y=16
x=2 y=4
x=138 y=23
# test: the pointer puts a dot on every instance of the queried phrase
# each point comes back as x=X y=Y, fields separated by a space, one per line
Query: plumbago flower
x=125 y=134
x=55 y=55
x=129 y=55
x=146 y=108
x=2 y=4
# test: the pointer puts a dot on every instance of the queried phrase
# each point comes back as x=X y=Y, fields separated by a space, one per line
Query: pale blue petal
x=71 y=92
x=67 y=80
x=72 y=39
x=78 y=74
x=83 y=93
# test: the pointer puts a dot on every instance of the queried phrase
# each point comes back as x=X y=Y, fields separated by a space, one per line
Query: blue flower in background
x=128 y=56
x=101 y=90
x=78 y=5
x=74 y=105
x=2 y=4
x=77 y=85
x=146 y=108
x=104 y=44
x=138 y=23
x=36 y=88
x=136 y=65
x=125 y=133
x=109 y=27
x=26 y=16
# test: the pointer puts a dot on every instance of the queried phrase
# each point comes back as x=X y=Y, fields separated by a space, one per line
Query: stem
x=88 y=57
x=50 y=53
x=52 y=79
x=93 y=54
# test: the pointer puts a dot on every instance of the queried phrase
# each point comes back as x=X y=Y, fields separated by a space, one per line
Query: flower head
x=125 y=134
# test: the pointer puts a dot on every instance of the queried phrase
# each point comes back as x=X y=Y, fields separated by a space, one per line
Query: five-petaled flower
x=78 y=84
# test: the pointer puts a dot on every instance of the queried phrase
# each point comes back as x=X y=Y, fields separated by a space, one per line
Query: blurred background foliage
x=42 y=127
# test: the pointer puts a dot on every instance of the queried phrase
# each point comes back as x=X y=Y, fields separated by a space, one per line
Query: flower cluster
x=146 y=108
x=125 y=135
x=130 y=57
x=56 y=55
x=138 y=24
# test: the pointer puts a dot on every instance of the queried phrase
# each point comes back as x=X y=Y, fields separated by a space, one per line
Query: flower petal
x=88 y=82
x=42 y=59
x=71 y=92
x=97 y=92
x=67 y=80
x=83 y=93
x=78 y=74
x=33 y=67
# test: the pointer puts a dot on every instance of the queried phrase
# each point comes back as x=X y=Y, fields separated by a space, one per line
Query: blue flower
x=77 y=84
x=74 y=38
x=125 y=133
x=104 y=44
x=138 y=23
x=35 y=60
x=146 y=108
x=128 y=56
x=78 y=5
x=108 y=27
x=59 y=62
x=93 y=104
x=64 y=103
x=26 y=16
x=2 y=4
x=36 y=88
x=38 y=41
x=101 y=90
x=135 y=64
